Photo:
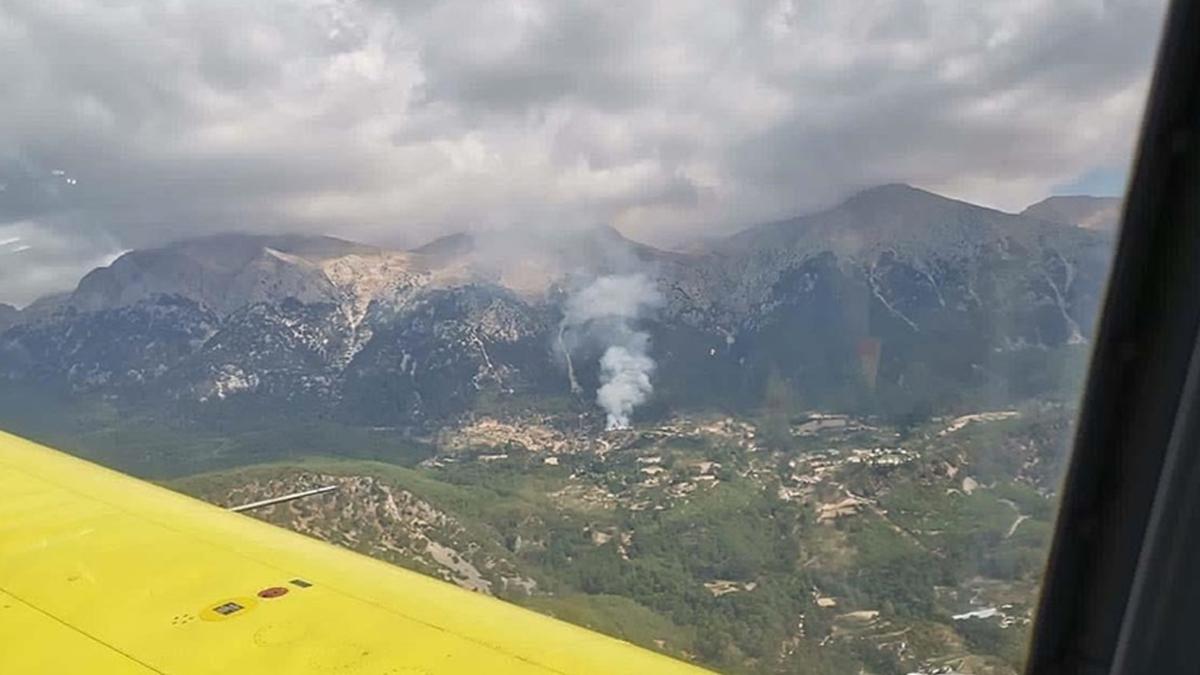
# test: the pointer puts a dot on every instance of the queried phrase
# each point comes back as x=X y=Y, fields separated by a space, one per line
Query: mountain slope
x=1094 y=213
x=9 y=316
x=893 y=287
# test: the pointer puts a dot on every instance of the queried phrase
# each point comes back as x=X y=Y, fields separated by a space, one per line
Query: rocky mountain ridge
x=897 y=292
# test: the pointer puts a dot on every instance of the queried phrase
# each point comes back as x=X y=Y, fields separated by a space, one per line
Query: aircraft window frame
x=1117 y=539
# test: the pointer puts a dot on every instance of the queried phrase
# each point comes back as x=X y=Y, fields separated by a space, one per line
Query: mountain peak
x=887 y=190
x=450 y=245
x=239 y=245
x=898 y=195
x=893 y=217
x=902 y=207
x=222 y=271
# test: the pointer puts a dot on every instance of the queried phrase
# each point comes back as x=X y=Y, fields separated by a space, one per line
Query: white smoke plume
x=626 y=378
x=603 y=314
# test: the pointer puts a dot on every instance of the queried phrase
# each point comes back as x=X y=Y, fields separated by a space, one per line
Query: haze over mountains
x=896 y=299
x=1094 y=213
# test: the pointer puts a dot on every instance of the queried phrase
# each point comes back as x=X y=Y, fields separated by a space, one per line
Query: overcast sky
x=131 y=123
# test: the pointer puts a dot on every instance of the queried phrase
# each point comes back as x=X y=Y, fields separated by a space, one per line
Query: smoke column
x=603 y=313
x=626 y=384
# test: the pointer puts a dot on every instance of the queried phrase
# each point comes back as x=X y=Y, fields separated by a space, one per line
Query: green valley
x=846 y=545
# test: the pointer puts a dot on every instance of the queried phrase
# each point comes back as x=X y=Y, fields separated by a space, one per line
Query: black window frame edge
x=1115 y=592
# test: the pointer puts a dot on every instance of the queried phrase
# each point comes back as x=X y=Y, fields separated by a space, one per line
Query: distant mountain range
x=896 y=300
x=1094 y=213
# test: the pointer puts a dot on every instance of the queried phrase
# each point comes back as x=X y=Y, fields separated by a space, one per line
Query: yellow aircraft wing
x=103 y=573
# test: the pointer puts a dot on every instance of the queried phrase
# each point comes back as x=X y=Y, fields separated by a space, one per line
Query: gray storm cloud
x=130 y=125
x=604 y=315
